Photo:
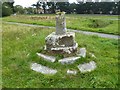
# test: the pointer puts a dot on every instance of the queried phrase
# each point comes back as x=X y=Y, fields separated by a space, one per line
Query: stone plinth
x=64 y=43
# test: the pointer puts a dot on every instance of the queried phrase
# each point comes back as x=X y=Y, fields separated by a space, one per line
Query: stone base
x=61 y=43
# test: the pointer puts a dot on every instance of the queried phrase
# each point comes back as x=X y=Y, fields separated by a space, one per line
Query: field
x=95 y=23
x=21 y=43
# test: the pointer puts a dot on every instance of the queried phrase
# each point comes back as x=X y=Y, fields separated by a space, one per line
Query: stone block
x=61 y=43
x=68 y=60
x=46 y=57
x=87 y=67
x=42 y=69
x=82 y=52
x=72 y=72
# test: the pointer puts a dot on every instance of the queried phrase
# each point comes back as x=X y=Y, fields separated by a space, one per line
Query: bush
x=95 y=23
x=6 y=10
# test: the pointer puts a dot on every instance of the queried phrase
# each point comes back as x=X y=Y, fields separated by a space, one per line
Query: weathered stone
x=82 y=52
x=67 y=50
x=60 y=40
x=46 y=57
x=68 y=60
x=87 y=67
x=73 y=72
x=60 y=23
x=42 y=69
x=92 y=55
x=61 y=43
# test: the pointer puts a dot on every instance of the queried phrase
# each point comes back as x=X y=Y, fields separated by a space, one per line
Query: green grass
x=78 y=22
x=20 y=45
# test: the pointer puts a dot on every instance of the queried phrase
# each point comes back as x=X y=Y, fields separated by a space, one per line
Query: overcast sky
x=28 y=3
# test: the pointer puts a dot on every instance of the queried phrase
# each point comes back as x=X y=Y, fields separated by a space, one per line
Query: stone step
x=68 y=60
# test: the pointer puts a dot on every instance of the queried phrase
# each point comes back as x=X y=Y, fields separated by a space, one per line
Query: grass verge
x=20 y=45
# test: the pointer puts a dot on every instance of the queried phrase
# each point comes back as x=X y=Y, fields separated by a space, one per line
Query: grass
x=104 y=24
x=20 y=45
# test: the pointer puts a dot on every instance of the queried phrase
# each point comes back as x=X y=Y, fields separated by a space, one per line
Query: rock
x=68 y=60
x=42 y=69
x=82 y=52
x=74 y=72
x=46 y=57
x=87 y=67
x=92 y=55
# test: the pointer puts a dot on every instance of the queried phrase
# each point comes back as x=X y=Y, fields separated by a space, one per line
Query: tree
x=6 y=9
x=73 y=7
x=19 y=9
x=64 y=6
x=43 y=4
x=29 y=10
x=97 y=8
x=37 y=6
x=34 y=6
x=51 y=6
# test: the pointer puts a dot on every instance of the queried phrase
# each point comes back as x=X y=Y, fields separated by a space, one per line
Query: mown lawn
x=95 y=23
x=20 y=44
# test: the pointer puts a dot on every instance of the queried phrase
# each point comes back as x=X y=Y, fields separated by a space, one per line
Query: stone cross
x=61 y=41
x=60 y=23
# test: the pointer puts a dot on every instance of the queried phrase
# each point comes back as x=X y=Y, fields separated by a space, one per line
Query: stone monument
x=61 y=41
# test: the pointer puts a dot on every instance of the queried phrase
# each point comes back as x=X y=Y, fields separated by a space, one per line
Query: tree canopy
x=80 y=7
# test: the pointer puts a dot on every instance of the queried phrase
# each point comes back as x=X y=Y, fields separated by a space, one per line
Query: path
x=78 y=31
